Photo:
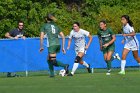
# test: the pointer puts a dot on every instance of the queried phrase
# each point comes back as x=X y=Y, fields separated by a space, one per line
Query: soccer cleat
x=66 y=69
x=70 y=74
x=117 y=56
x=9 y=74
x=89 y=69
x=108 y=72
x=122 y=73
x=52 y=76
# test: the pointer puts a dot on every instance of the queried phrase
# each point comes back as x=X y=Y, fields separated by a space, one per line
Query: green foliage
x=87 y=12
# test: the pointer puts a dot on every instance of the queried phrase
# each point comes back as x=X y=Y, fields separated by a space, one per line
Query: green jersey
x=105 y=36
x=52 y=31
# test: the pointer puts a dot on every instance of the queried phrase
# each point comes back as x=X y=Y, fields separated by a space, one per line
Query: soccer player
x=107 y=45
x=80 y=46
x=131 y=42
x=53 y=44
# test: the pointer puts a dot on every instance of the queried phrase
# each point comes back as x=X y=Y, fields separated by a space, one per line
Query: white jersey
x=131 y=41
x=79 y=38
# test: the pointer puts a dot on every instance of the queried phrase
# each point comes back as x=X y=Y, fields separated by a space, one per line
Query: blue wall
x=22 y=55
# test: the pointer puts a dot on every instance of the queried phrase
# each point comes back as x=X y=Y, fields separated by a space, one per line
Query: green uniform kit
x=52 y=31
x=105 y=37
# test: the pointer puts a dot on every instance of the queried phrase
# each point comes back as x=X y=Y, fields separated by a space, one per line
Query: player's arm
x=111 y=42
x=63 y=42
x=70 y=39
x=123 y=40
x=69 y=43
x=130 y=34
x=41 y=41
x=89 y=42
x=100 y=42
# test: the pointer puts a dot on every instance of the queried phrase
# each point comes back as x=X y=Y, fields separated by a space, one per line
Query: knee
x=123 y=58
x=77 y=59
x=108 y=58
x=105 y=58
x=53 y=60
x=81 y=62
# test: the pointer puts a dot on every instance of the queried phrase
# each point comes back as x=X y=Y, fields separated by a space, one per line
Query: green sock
x=108 y=65
x=112 y=58
x=60 y=64
x=51 y=68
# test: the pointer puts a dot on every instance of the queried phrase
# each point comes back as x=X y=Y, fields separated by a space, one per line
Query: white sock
x=114 y=57
x=123 y=62
x=85 y=64
x=75 y=66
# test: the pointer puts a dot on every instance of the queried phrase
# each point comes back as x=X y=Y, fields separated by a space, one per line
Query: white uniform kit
x=79 y=39
x=80 y=43
x=132 y=42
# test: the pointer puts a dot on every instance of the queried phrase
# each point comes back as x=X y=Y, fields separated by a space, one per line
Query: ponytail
x=130 y=23
x=128 y=20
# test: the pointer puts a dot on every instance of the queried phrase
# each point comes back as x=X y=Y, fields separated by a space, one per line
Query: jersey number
x=53 y=29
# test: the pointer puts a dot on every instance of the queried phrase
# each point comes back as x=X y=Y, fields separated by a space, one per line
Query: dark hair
x=128 y=20
x=20 y=22
x=49 y=17
x=103 y=21
x=77 y=23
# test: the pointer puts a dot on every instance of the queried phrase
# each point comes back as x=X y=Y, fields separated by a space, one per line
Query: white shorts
x=131 y=47
x=80 y=50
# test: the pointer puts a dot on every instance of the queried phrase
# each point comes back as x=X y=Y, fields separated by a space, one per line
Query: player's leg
x=66 y=66
x=53 y=53
x=105 y=55
x=136 y=56
x=86 y=65
x=51 y=68
x=76 y=62
x=109 y=61
x=123 y=61
x=116 y=56
x=58 y=63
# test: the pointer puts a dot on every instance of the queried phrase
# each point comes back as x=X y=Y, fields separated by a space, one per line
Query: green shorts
x=54 y=49
x=109 y=48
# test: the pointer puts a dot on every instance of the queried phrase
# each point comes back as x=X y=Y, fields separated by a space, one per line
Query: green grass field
x=80 y=83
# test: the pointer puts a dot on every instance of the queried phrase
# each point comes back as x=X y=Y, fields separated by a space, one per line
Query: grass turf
x=80 y=83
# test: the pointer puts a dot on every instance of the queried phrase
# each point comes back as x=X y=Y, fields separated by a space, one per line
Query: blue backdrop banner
x=24 y=55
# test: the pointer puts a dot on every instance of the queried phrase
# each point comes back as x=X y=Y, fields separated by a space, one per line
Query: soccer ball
x=62 y=72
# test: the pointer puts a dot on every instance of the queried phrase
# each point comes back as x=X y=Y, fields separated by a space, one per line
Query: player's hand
x=41 y=49
x=86 y=47
x=122 y=42
x=68 y=48
x=124 y=34
x=63 y=50
x=101 y=48
x=106 y=45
